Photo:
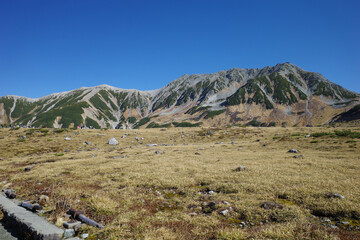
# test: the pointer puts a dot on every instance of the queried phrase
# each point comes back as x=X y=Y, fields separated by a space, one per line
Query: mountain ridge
x=270 y=94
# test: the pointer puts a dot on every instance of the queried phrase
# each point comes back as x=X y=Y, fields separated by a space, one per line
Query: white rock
x=84 y=235
x=224 y=212
x=113 y=141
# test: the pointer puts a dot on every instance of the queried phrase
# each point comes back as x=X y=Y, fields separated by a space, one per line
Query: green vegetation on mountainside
x=91 y=123
x=68 y=114
x=22 y=107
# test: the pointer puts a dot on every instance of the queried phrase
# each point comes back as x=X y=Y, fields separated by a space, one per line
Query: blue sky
x=53 y=46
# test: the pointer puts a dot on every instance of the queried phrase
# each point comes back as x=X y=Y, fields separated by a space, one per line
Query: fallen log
x=32 y=207
x=77 y=215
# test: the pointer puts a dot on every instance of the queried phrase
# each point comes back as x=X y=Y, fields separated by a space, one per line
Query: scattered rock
x=293 y=151
x=334 y=195
x=271 y=205
x=10 y=193
x=233 y=142
x=84 y=235
x=224 y=212
x=239 y=149
x=209 y=208
x=88 y=143
x=113 y=141
x=226 y=203
x=159 y=152
x=67 y=139
x=27 y=169
x=298 y=156
x=197 y=153
x=240 y=169
x=124 y=136
x=151 y=145
x=210 y=132
x=69 y=233
x=192 y=214
x=74 y=225
x=307 y=136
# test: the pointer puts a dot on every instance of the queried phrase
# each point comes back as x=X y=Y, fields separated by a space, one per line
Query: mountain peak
x=281 y=93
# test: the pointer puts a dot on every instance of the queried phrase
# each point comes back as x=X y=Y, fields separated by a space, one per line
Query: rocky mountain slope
x=282 y=94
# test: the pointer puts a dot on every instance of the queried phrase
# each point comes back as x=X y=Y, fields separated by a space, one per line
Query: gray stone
x=5 y=234
x=159 y=152
x=27 y=222
x=239 y=149
x=10 y=193
x=293 y=151
x=151 y=145
x=113 y=141
x=240 y=169
x=298 y=156
x=67 y=139
x=69 y=233
x=88 y=143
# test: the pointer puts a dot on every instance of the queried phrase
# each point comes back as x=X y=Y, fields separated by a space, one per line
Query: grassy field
x=188 y=186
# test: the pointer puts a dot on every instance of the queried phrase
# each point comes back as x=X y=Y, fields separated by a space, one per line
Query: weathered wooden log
x=77 y=215
x=32 y=207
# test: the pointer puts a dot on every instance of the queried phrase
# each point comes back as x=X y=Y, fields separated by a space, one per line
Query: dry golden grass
x=145 y=195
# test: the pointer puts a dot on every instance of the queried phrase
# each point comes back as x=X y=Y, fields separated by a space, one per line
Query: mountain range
x=280 y=95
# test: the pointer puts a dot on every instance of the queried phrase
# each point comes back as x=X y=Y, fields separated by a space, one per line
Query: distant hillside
x=280 y=95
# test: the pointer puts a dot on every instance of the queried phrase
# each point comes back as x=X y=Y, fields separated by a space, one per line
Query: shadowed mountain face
x=273 y=95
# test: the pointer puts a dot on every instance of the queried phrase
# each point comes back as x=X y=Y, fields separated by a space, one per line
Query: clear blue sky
x=52 y=46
